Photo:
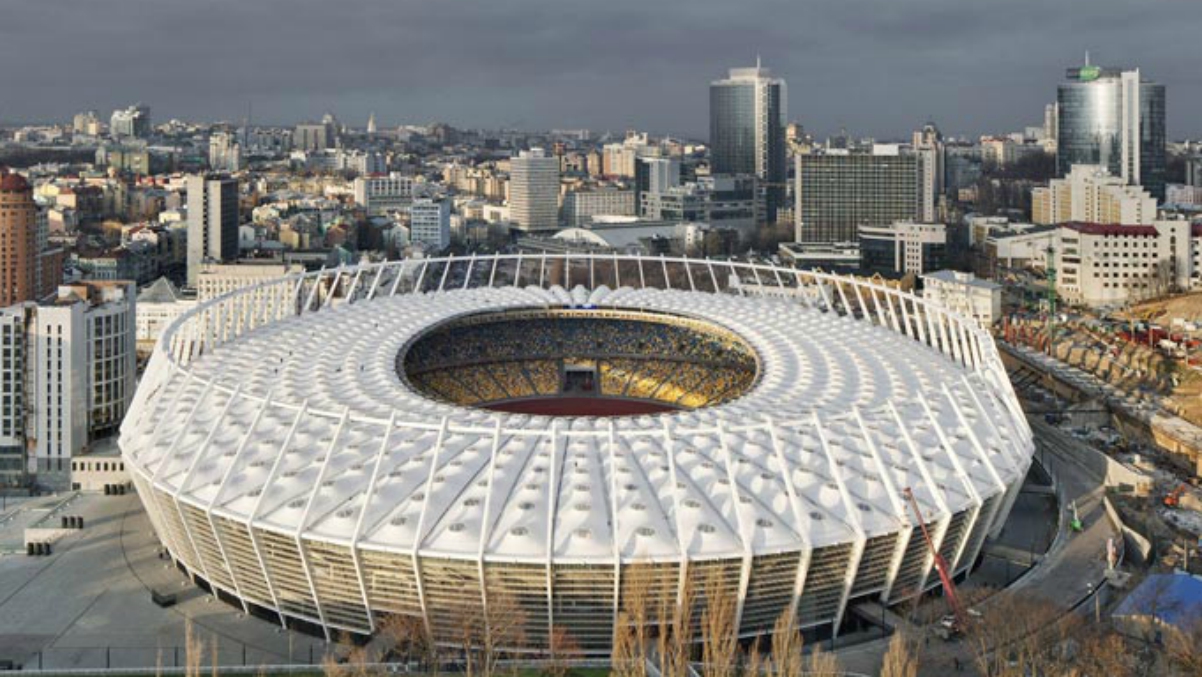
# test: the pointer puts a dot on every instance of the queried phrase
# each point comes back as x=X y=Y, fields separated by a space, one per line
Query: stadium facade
x=321 y=449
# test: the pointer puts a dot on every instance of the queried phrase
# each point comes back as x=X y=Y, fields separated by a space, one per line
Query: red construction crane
x=959 y=619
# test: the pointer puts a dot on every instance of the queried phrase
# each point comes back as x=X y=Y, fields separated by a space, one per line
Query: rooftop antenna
x=1087 y=57
x=757 y=62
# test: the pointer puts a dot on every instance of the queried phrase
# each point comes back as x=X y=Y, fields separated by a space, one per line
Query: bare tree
x=1185 y=645
x=901 y=660
x=822 y=663
x=674 y=619
x=565 y=651
x=756 y=663
x=720 y=634
x=407 y=639
x=631 y=633
x=194 y=650
x=504 y=630
x=787 y=645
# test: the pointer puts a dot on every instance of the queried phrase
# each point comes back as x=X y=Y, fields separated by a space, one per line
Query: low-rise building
x=964 y=293
x=1111 y=265
x=902 y=248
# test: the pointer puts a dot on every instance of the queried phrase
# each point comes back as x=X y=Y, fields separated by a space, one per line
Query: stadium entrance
x=579 y=362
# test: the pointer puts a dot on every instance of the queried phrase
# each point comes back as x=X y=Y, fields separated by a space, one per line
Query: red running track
x=582 y=406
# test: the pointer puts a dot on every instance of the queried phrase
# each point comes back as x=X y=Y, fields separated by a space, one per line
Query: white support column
x=865 y=314
x=681 y=544
x=567 y=270
x=303 y=523
x=350 y=294
x=892 y=312
x=971 y=488
x=664 y=266
x=901 y=301
x=317 y=278
x=932 y=487
x=517 y=272
x=642 y=276
x=713 y=276
x=334 y=287
x=421 y=276
x=254 y=512
x=556 y=471
x=842 y=295
x=853 y=519
x=446 y=270
x=358 y=531
x=688 y=271
x=617 y=272
x=492 y=272
x=611 y=443
x=592 y=272
x=467 y=278
x=894 y=494
x=217 y=496
x=807 y=551
x=375 y=282
x=182 y=486
x=741 y=519
x=419 y=535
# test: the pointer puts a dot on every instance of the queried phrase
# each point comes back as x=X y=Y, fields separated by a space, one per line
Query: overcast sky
x=877 y=67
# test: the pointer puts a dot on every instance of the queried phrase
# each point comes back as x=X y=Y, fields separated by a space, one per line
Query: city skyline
x=878 y=69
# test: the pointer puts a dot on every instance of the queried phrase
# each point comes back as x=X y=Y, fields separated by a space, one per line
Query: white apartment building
x=1090 y=194
x=1110 y=265
x=430 y=222
x=579 y=207
x=379 y=194
x=534 y=191
x=159 y=304
x=964 y=293
x=218 y=279
x=69 y=375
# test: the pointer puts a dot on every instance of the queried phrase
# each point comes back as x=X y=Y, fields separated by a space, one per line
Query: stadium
x=426 y=438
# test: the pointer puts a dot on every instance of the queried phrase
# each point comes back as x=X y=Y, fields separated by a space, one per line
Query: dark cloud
x=878 y=67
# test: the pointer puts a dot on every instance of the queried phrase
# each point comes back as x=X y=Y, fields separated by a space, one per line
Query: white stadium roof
x=303 y=426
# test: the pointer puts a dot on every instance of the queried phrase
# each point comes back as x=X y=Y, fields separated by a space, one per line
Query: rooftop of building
x=958 y=277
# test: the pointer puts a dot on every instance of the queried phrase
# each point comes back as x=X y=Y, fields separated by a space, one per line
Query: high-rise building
x=86 y=124
x=928 y=145
x=313 y=136
x=839 y=191
x=1051 y=121
x=18 y=240
x=212 y=221
x=747 y=130
x=225 y=153
x=654 y=175
x=1193 y=172
x=430 y=222
x=534 y=190
x=68 y=377
x=132 y=122
x=1113 y=118
x=1090 y=194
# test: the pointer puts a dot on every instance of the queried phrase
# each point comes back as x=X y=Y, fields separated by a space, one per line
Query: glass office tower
x=1115 y=119
x=747 y=131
